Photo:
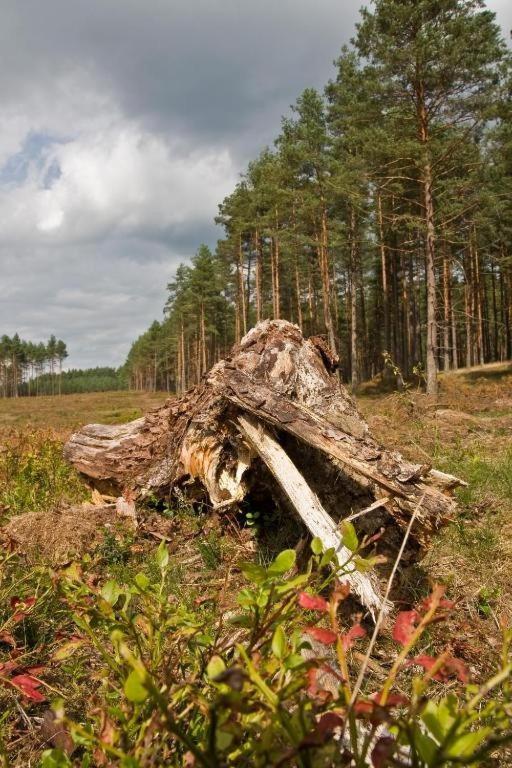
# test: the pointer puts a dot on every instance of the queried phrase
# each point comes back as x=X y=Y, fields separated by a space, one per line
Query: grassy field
x=467 y=432
x=69 y=412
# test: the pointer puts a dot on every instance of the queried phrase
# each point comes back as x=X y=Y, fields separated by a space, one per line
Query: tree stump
x=275 y=405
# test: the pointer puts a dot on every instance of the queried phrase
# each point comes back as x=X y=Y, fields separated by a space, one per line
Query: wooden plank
x=308 y=506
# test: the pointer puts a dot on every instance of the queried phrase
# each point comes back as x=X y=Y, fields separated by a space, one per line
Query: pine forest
x=380 y=218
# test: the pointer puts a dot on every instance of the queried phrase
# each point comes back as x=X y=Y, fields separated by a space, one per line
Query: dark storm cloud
x=123 y=124
x=214 y=70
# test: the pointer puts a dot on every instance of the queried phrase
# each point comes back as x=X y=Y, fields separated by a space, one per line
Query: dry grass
x=467 y=432
x=66 y=413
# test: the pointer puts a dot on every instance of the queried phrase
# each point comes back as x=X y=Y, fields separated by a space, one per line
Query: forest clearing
x=256 y=384
x=53 y=631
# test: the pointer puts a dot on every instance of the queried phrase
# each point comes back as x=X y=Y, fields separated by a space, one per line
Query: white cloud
x=114 y=182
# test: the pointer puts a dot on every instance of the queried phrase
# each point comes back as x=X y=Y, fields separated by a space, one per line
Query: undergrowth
x=33 y=473
x=280 y=681
x=218 y=652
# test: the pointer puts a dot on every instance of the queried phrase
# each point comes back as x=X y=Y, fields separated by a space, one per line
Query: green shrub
x=34 y=475
x=174 y=689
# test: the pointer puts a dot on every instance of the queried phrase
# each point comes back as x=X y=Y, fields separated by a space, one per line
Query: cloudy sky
x=123 y=124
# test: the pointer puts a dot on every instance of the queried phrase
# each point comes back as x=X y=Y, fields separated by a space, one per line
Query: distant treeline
x=29 y=369
x=76 y=381
x=23 y=363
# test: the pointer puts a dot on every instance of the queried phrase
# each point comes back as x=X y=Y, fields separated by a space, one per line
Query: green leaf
x=349 y=536
x=129 y=762
x=316 y=546
x=283 y=562
x=362 y=564
x=439 y=717
x=223 y=740
x=253 y=572
x=54 y=758
x=279 y=645
x=291 y=584
x=111 y=592
x=327 y=557
x=294 y=661
x=216 y=667
x=426 y=747
x=465 y=745
x=240 y=620
x=134 y=689
x=142 y=581
x=67 y=649
x=162 y=555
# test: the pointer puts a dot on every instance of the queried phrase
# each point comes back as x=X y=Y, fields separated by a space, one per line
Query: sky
x=123 y=124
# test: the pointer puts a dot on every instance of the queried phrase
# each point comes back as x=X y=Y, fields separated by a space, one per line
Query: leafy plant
x=34 y=475
x=250 y=689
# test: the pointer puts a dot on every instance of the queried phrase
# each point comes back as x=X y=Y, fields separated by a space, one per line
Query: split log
x=287 y=385
x=308 y=507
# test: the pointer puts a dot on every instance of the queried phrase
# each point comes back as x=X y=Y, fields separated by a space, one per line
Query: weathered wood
x=289 y=383
x=308 y=507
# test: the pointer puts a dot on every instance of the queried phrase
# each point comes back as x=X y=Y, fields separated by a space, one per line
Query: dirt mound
x=60 y=535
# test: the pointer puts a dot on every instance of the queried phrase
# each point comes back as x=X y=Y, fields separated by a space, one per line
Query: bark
x=447 y=309
x=323 y=259
x=241 y=288
x=277 y=398
x=384 y=274
x=430 y=240
x=354 y=336
x=431 y=284
x=258 y=276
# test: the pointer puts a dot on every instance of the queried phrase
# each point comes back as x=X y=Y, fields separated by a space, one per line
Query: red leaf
x=8 y=639
x=393 y=700
x=324 y=636
x=312 y=681
x=458 y=668
x=312 y=602
x=404 y=626
x=315 y=689
x=427 y=662
x=364 y=707
x=452 y=667
x=35 y=670
x=354 y=633
x=383 y=751
x=437 y=597
x=8 y=666
x=28 y=686
x=25 y=604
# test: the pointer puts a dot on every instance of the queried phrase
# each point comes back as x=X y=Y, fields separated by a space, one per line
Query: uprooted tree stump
x=272 y=415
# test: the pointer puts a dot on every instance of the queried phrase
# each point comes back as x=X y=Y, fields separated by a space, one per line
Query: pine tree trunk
x=479 y=357
x=258 y=276
x=431 y=371
x=204 y=364
x=447 y=309
x=455 y=346
x=184 y=372
x=354 y=340
x=241 y=286
x=430 y=241
x=323 y=257
x=298 y=295
x=384 y=277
